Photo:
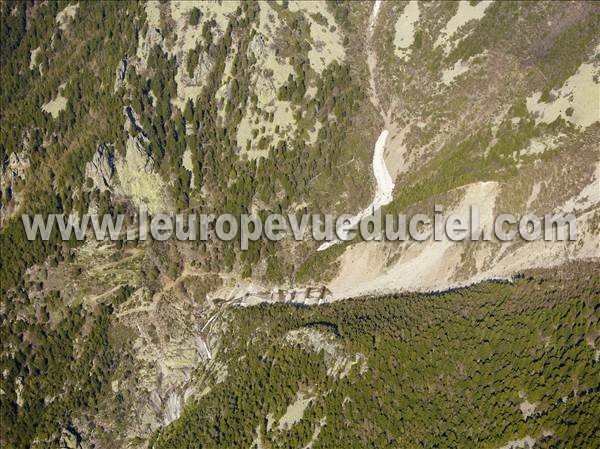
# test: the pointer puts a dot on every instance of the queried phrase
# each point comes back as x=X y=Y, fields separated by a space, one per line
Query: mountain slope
x=299 y=107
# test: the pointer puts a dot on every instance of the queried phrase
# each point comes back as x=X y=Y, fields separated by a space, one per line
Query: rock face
x=120 y=75
x=19 y=391
x=138 y=178
x=69 y=439
x=254 y=294
x=132 y=124
x=152 y=38
x=337 y=360
x=15 y=168
x=10 y=172
x=173 y=407
x=101 y=168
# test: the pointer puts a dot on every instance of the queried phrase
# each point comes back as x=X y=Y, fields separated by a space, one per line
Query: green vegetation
x=81 y=62
x=195 y=16
x=62 y=366
x=83 y=58
x=88 y=331
x=442 y=370
x=557 y=54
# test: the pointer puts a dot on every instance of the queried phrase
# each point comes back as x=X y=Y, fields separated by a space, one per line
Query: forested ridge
x=442 y=370
x=473 y=367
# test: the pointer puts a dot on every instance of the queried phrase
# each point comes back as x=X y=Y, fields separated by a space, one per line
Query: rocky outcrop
x=120 y=75
x=101 y=168
x=12 y=171
x=152 y=38
x=173 y=407
x=253 y=295
x=19 y=390
x=17 y=165
x=133 y=123
x=70 y=439
x=338 y=361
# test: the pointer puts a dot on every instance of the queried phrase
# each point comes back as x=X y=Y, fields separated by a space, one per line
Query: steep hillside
x=276 y=107
x=476 y=367
x=299 y=107
x=495 y=104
